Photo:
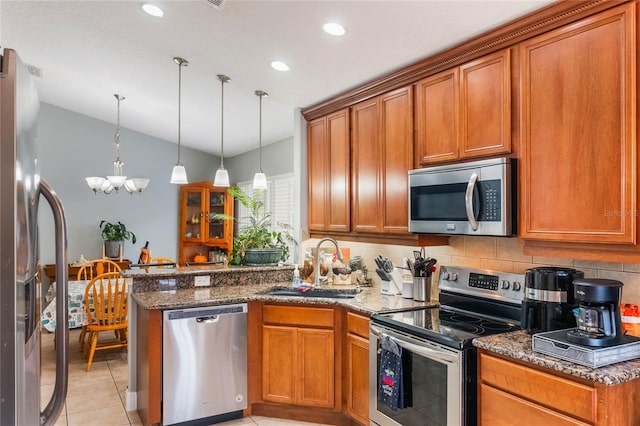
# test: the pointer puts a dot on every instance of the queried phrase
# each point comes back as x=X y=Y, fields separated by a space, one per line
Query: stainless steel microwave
x=474 y=198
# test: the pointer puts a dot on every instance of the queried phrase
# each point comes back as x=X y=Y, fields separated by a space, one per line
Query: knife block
x=393 y=287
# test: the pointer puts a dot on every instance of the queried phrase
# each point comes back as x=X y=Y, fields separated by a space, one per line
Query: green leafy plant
x=258 y=234
x=116 y=232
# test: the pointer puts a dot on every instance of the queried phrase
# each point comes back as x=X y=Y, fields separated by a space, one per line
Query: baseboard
x=299 y=413
x=132 y=401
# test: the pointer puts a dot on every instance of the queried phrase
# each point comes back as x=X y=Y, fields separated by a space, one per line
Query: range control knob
x=454 y=276
x=517 y=286
x=505 y=284
x=444 y=275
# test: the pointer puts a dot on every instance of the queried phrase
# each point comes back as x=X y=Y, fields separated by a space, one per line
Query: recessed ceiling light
x=334 y=28
x=280 y=66
x=153 y=10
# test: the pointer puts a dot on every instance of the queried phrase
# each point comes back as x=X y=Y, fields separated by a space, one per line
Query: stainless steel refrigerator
x=20 y=192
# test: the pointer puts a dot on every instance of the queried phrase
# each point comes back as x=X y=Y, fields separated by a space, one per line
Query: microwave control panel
x=490 y=209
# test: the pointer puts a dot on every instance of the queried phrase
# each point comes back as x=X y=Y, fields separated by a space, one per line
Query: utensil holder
x=422 y=289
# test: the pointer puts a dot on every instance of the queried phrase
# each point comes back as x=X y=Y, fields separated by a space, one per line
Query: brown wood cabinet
x=464 y=112
x=329 y=172
x=579 y=181
x=382 y=154
x=298 y=356
x=198 y=231
x=356 y=366
x=148 y=364
x=511 y=390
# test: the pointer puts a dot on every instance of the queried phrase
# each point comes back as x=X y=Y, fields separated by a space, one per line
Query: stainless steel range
x=437 y=356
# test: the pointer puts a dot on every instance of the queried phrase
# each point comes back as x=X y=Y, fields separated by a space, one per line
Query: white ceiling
x=89 y=50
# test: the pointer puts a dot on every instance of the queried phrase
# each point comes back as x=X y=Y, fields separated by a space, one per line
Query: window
x=278 y=201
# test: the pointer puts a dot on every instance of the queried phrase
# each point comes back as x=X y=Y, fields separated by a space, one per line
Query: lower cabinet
x=511 y=390
x=298 y=356
x=356 y=366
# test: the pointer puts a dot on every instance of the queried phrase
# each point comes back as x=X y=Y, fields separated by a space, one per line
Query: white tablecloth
x=77 y=314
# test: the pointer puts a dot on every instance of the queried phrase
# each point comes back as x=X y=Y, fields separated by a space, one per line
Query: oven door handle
x=416 y=349
x=468 y=200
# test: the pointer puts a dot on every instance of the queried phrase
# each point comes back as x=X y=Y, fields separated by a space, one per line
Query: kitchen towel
x=390 y=384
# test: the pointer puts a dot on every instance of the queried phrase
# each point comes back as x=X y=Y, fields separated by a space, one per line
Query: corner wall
x=73 y=146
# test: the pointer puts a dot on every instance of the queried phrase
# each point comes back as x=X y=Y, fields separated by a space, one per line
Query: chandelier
x=117 y=180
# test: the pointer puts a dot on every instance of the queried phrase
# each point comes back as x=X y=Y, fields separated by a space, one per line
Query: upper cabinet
x=578 y=122
x=329 y=172
x=382 y=155
x=465 y=112
x=199 y=231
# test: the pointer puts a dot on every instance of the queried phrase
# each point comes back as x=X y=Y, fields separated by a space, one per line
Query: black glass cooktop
x=445 y=325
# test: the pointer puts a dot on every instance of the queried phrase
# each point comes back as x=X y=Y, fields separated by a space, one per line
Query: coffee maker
x=598 y=312
x=549 y=299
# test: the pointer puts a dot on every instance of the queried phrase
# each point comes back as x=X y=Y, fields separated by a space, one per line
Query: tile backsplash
x=497 y=253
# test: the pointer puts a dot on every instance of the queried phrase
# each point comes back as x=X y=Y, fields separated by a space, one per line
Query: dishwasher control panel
x=206 y=312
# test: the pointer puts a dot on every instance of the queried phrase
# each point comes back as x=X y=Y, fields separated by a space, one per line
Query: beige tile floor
x=98 y=397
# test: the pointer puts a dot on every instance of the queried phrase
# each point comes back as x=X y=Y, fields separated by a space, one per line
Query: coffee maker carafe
x=548 y=299
x=598 y=312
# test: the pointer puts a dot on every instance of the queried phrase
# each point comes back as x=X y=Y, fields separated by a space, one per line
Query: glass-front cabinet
x=200 y=232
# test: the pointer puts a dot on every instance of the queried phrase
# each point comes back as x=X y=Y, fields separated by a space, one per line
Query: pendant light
x=222 y=176
x=179 y=173
x=118 y=179
x=259 y=179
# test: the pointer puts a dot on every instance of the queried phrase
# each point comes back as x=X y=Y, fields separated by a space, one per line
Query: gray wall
x=277 y=159
x=73 y=146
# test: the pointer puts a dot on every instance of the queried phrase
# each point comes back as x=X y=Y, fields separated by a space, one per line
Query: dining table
x=76 y=315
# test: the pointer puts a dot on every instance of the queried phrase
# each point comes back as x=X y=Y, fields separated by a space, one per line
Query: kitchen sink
x=331 y=293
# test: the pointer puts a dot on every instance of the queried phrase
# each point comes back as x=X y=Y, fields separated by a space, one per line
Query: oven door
x=436 y=382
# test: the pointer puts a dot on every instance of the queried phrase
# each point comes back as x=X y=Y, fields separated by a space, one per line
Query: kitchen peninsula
x=338 y=320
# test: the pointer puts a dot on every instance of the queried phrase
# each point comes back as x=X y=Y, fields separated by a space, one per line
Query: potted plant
x=258 y=243
x=114 y=235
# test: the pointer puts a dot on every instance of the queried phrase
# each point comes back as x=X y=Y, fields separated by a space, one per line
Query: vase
x=262 y=257
x=112 y=248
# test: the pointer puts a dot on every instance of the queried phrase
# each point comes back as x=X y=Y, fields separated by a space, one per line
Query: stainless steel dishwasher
x=204 y=365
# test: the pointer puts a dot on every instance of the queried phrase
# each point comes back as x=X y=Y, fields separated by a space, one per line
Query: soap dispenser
x=296 y=277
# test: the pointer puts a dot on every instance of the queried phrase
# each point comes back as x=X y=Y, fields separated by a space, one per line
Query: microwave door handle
x=468 y=200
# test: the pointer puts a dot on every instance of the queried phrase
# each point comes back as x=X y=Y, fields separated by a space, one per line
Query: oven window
x=428 y=392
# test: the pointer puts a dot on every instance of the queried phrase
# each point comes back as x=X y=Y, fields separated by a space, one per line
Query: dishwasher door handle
x=208 y=320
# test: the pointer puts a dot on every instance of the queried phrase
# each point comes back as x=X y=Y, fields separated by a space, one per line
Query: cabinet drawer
x=358 y=325
x=499 y=408
x=298 y=316
x=564 y=395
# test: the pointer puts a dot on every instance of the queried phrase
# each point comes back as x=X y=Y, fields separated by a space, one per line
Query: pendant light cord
x=260 y=136
x=117 y=164
x=179 y=106
x=222 y=124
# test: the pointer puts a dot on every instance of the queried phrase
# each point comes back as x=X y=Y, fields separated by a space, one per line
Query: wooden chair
x=163 y=260
x=107 y=307
x=90 y=269
x=95 y=267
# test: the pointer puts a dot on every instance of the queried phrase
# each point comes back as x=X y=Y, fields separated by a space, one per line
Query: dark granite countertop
x=517 y=345
x=368 y=301
x=174 y=288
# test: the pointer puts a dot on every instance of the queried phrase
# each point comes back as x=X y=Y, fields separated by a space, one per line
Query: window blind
x=278 y=201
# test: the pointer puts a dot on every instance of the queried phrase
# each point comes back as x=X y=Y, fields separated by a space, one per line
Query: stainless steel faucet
x=316 y=281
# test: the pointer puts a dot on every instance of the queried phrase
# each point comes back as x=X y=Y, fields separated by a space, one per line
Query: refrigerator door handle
x=55 y=404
